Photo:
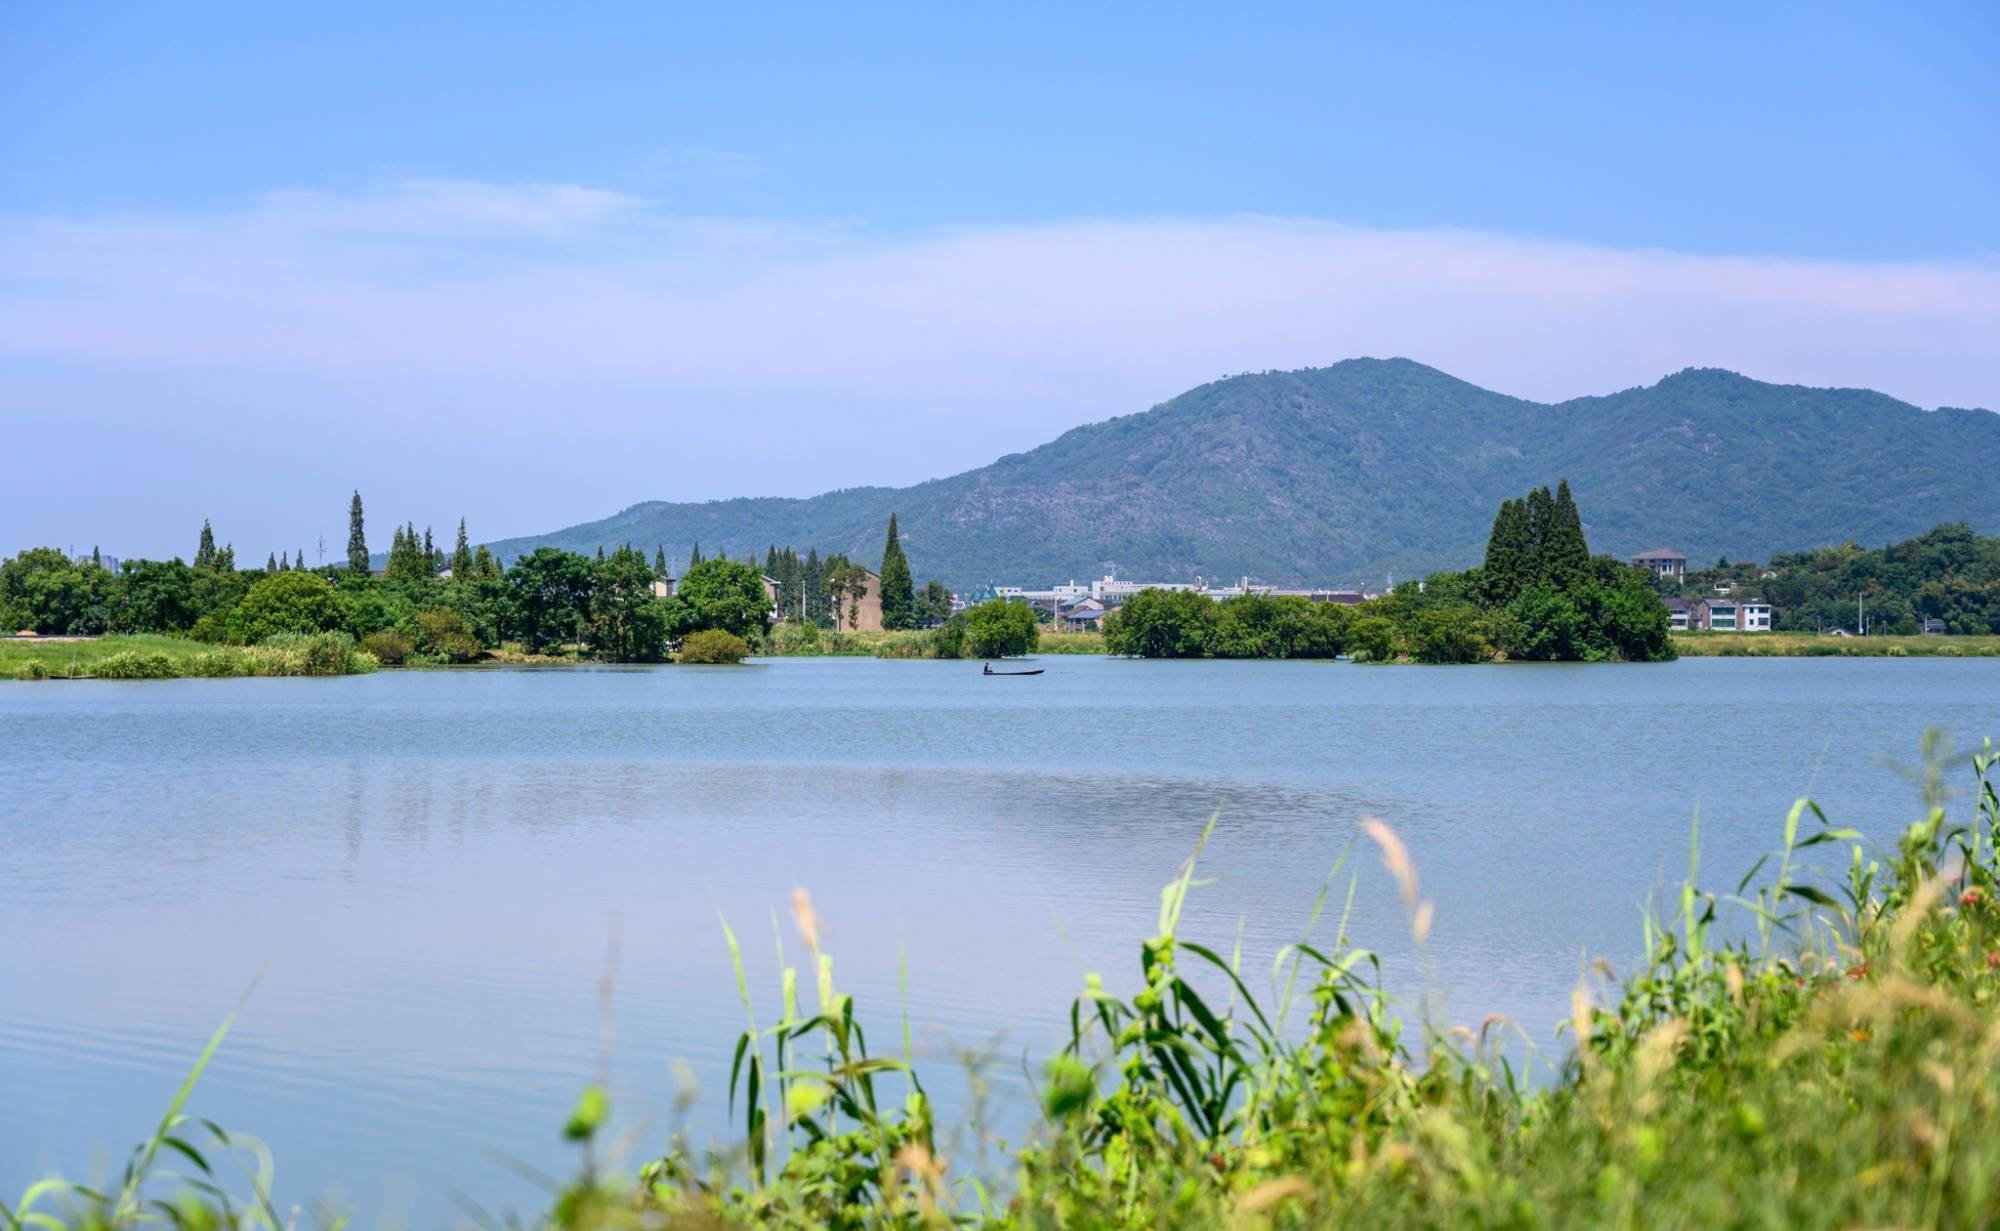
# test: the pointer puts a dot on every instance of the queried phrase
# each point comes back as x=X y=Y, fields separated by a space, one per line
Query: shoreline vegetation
x=1816 y=1047
x=1817 y=645
x=154 y=657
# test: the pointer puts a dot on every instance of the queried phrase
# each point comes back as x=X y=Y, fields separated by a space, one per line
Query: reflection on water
x=427 y=867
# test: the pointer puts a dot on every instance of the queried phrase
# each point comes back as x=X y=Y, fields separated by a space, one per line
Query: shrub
x=389 y=645
x=998 y=629
x=1162 y=624
x=314 y=654
x=1373 y=639
x=33 y=669
x=294 y=602
x=136 y=665
x=216 y=664
x=447 y=635
x=1449 y=635
x=712 y=647
x=793 y=637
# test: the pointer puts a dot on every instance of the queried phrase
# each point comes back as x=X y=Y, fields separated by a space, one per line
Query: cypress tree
x=1565 y=554
x=483 y=564
x=694 y=557
x=271 y=562
x=1504 y=552
x=96 y=561
x=461 y=556
x=899 y=608
x=1540 y=518
x=430 y=551
x=812 y=581
x=357 y=542
x=600 y=553
x=660 y=559
x=204 y=554
x=299 y=561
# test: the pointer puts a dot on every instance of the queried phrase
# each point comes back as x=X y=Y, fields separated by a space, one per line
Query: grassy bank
x=151 y=657
x=786 y=642
x=1816 y=1045
x=1811 y=645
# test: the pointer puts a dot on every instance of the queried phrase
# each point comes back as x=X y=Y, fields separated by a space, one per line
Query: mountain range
x=1344 y=474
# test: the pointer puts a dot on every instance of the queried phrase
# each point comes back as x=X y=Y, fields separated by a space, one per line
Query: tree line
x=1950 y=574
x=1537 y=595
x=427 y=603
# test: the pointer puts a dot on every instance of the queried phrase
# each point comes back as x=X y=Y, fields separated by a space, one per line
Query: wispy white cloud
x=427 y=278
x=955 y=343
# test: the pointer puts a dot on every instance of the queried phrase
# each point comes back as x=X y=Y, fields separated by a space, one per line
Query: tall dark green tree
x=660 y=560
x=694 y=557
x=1541 y=513
x=461 y=556
x=1565 y=554
x=357 y=539
x=205 y=553
x=299 y=560
x=1507 y=553
x=271 y=562
x=899 y=607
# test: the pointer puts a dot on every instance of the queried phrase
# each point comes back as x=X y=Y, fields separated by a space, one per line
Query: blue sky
x=263 y=254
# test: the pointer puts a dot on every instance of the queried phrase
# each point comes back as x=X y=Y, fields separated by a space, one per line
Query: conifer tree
x=899 y=607
x=660 y=559
x=694 y=557
x=600 y=553
x=461 y=556
x=96 y=561
x=357 y=541
x=430 y=551
x=271 y=562
x=299 y=561
x=812 y=583
x=484 y=565
x=1506 y=548
x=204 y=553
x=1540 y=517
x=1565 y=554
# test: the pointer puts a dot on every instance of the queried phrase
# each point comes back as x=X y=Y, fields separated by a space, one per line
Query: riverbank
x=153 y=657
x=1812 y=645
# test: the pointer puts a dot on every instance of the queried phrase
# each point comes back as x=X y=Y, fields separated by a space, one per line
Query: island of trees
x=1539 y=595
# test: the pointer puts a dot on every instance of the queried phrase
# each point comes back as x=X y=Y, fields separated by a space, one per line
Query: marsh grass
x=1811 y=645
x=1817 y=1046
x=148 y=657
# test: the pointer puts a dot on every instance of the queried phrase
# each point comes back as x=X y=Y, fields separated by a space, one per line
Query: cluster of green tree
x=1949 y=573
x=992 y=629
x=1539 y=595
x=815 y=590
x=424 y=604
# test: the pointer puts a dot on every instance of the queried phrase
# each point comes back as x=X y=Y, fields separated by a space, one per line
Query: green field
x=1811 y=645
x=149 y=656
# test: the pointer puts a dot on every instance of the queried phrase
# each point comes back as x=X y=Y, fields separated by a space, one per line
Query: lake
x=429 y=869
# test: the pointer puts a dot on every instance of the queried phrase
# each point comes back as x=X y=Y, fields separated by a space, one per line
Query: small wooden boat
x=987 y=669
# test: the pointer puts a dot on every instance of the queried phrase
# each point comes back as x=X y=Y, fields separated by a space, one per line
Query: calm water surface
x=428 y=868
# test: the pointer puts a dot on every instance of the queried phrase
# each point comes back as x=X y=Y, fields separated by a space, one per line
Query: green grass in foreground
x=1835 y=1064
x=1812 y=645
x=152 y=657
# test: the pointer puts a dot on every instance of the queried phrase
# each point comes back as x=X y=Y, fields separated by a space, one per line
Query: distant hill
x=1343 y=474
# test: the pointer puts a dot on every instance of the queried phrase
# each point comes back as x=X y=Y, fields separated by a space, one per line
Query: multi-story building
x=1730 y=615
x=1662 y=563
